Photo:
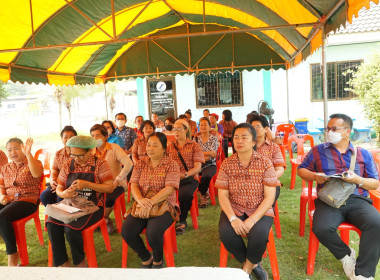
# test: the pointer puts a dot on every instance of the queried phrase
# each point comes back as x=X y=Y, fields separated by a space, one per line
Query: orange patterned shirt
x=166 y=173
x=102 y=170
x=60 y=158
x=3 y=159
x=19 y=183
x=139 y=148
x=246 y=185
x=272 y=151
x=191 y=152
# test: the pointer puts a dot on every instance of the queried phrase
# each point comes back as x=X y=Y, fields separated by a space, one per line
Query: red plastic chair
x=194 y=211
x=299 y=139
x=344 y=229
x=19 y=228
x=277 y=224
x=376 y=156
x=287 y=129
x=119 y=210
x=88 y=243
x=46 y=164
x=271 y=248
x=170 y=247
x=303 y=203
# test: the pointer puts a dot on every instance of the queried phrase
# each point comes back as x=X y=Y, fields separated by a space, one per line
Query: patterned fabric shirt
x=116 y=157
x=166 y=173
x=60 y=158
x=211 y=145
x=102 y=170
x=128 y=135
x=139 y=148
x=19 y=183
x=3 y=159
x=191 y=152
x=246 y=185
x=327 y=159
x=228 y=127
x=272 y=151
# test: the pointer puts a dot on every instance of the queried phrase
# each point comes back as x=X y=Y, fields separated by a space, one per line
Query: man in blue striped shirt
x=335 y=157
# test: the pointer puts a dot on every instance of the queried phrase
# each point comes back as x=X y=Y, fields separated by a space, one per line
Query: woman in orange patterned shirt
x=19 y=191
x=190 y=165
x=139 y=146
x=160 y=174
x=246 y=183
x=3 y=159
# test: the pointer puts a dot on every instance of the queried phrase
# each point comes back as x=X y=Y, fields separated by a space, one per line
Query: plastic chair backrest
x=46 y=160
x=287 y=129
x=300 y=139
x=376 y=156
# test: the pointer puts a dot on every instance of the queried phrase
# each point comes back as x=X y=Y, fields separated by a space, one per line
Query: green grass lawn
x=201 y=247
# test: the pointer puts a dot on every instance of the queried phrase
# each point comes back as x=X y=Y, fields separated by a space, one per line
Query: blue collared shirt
x=128 y=135
x=327 y=159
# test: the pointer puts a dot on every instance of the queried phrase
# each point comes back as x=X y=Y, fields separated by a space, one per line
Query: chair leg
x=223 y=255
x=37 y=222
x=271 y=248
x=277 y=224
x=106 y=238
x=174 y=239
x=345 y=236
x=293 y=177
x=21 y=243
x=50 y=255
x=303 y=202
x=124 y=254
x=193 y=213
x=117 y=212
x=211 y=190
x=129 y=193
x=123 y=206
x=89 y=248
x=313 y=248
x=168 y=250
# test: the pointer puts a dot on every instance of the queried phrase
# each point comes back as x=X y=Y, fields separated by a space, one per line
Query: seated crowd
x=165 y=162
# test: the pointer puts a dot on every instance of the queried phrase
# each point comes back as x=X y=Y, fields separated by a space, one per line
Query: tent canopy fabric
x=86 y=41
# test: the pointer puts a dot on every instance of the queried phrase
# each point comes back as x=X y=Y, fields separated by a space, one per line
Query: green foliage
x=3 y=93
x=366 y=85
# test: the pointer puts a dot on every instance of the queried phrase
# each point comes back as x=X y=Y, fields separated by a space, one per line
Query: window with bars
x=338 y=75
x=220 y=89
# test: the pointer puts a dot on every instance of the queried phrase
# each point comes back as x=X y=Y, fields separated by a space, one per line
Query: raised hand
x=27 y=147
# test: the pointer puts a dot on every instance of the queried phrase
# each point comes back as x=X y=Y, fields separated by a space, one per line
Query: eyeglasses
x=78 y=156
x=334 y=128
x=178 y=129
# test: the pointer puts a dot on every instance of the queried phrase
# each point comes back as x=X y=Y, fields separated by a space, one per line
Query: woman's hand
x=182 y=176
x=79 y=184
x=145 y=203
x=249 y=223
x=239 y=227
x=27 y=147
x=116 y=182
x=69 y=192
x=144 y=212
x=4 y=199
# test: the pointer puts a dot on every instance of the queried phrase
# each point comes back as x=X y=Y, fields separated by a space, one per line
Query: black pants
x=257 y=239
x=74 y=238
x=207 y=174
x=187 y=187
x=10 y=213
x=155 y=229
x=48 y=197
x=111 y=197
x=225 y=146
x=359 y=212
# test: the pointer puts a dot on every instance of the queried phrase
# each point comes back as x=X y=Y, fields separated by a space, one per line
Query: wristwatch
x=233 y=218
x=186 y=175
x=361 y=183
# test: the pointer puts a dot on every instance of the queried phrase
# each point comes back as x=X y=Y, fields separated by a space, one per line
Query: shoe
x=180 y=228
x=157 y=266
x=110 y=227
x=204 y=200
x=359 y=277
x=260 y=273
x=144 y=266
x=349 y=262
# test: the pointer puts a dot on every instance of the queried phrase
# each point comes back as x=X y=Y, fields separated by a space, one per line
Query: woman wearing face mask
x=84 y=176
x=48 y=196
x=139 y=146
x=115 y=157
x=19 y=191
x=247 y=188
x=189 y=157
x=112 y=137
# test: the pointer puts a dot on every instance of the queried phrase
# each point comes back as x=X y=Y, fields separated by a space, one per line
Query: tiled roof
x=367 y=21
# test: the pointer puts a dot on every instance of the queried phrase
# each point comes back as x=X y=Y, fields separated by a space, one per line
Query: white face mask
x=334 y=137
x=120 y=123
x=99 y=142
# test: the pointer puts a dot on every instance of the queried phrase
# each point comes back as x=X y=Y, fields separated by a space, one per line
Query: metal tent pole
x=324 y=80
x=287 y=95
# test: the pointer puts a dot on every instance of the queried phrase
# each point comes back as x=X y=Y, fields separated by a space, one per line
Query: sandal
x=204 y=201
x=149 y=265
x=158 y=266
x=180 y=228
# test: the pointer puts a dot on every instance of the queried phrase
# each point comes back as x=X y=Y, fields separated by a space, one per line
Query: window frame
x=336 y=81
x=218 y=91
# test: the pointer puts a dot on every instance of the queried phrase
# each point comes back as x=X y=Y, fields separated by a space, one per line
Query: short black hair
x=189 y=112
x=170 y=119
x=101 y=128
x=207 y=110
x=344 y=117
x=147 y=122
x=111 y=124
x=227 y=115
x=139 y=117
x=161 y=137
x=205 y=119
x=263 y=120
x=182 y=117
x=118 y=114
x=14 y=139
x=68 y=128
x=250 y=128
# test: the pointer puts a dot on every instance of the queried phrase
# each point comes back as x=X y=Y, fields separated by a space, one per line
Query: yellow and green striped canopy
x=86 y=41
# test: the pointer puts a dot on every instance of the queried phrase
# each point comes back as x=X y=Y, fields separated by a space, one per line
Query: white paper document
x=67 y=208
